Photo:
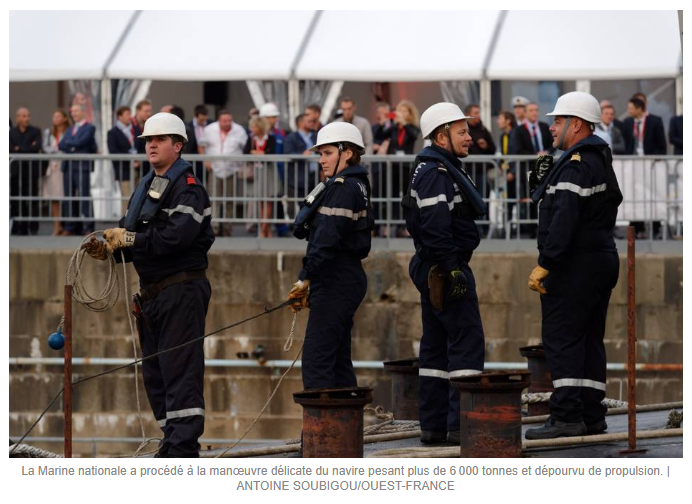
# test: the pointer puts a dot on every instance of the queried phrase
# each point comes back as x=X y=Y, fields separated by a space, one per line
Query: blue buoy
x=56 y=341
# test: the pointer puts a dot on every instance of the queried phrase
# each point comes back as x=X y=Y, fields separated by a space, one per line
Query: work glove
x=96 y=249
x=299 y=292
x=118 y=238
x=536 y=279
x=456 y=286
x=540 y=171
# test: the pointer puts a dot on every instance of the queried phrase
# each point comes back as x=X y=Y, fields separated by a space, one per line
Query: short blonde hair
x=412 y=110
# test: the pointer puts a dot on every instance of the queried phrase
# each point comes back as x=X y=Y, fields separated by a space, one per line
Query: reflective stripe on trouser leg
x=453 y=341
x=574 y=313
x=180 y=311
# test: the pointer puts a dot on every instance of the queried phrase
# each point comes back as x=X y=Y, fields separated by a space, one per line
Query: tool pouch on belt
x=437 y=285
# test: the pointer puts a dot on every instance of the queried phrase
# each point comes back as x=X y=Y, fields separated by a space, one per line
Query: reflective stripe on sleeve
x=441 y=198
x=342 y=212
x=188 y=210
x=581 y=191
x=579 y=382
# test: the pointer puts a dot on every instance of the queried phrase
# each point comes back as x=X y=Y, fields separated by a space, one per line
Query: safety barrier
x=260 y=195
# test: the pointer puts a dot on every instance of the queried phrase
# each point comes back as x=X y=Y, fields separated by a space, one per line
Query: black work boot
x=554 y=429
x=454 y=437
x=433 y=437
x=597 y=427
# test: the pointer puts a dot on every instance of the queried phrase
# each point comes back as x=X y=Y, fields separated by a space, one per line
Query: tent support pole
x=333 y=93
x=486 y=103
x=584 y=86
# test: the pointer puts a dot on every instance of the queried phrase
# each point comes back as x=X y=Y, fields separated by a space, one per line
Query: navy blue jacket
x=119 y=144
x=83 y=142
x=294 y=144
x=654 y=136
x=179 y=236
x=675 y=134
x=442 y=227
x=578 y=204
x=340 y=228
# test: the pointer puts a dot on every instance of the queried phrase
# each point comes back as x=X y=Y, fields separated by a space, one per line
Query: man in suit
x=532 y=137
x=301 y=175
x=647 y=136
x=616 y=122
x=79 y=139
x=609 y=132
x=24 y=175
x=121 y=140
x=142 y=113
x=675 y=134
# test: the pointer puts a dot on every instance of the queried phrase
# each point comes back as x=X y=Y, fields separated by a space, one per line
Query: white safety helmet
x=520 y=101
x=578 y=104
x=164 y=123
x=439 y=114
x=338 y=132
x=269 y=110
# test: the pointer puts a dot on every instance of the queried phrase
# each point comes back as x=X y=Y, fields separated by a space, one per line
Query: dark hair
x=436 y=132
x=121 y=110
x=314 y=107
x=509 y=117
x=347 y=99
x=201 y=109
x=223 y=112
x=299 y=118
x=469 y=108
x=607 y=107
x=141 y=104
x=67 y=122
x=637 y=102
x=177 y=138
x=357 y=151
x=178 y=111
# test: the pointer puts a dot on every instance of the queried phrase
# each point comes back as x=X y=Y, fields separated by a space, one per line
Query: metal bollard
x=541 y=380
x=333 y=421
x=404 y=373
x=490 y=424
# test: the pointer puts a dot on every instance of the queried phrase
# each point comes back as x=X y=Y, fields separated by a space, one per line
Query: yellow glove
x=536 y=279
x=118 y=238
x=96 y=249
x=299 y=292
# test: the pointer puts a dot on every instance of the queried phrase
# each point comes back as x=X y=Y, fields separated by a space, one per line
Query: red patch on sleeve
x=191 y=181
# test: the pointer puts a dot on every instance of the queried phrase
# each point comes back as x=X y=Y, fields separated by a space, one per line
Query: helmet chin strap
x=564 y=132
x=338 y=159
x=449 y=137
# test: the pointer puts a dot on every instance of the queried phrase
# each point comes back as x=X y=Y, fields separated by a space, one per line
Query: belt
x=184 y=276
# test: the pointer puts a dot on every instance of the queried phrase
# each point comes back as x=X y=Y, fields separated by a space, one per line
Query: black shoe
x=554 y=429
x=433 y=437
x=454 y=437
x=597 y=427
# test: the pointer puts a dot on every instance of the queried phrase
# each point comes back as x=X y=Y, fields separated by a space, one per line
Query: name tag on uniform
x=157 y=187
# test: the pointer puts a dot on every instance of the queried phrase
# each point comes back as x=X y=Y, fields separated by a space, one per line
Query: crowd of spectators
x=394 y=132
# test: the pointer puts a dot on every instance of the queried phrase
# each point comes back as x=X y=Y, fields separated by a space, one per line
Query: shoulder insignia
x=191 y=180
x=576 y=157
x=442 y=169
x=339 y=180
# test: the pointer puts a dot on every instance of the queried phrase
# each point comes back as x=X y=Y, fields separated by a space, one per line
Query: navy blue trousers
x=574 y=317
x=334 y=298
x=452 y=344
x=174 y=381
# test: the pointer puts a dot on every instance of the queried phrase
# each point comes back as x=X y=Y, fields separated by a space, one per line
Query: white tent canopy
x=207 y=46
x=398 y=46
x=584 y=45
x=349 y=45
x=63 y=45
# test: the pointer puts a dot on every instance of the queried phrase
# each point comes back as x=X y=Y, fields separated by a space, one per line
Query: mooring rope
x=539 y=397
x=266 y=311
x=28 y=451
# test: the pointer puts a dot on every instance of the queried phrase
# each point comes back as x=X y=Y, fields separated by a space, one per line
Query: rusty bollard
x=490 y=424
x=333 y=421
x=404 y=373
x=540 y=377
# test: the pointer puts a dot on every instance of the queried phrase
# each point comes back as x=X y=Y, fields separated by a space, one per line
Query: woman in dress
x=53 y=181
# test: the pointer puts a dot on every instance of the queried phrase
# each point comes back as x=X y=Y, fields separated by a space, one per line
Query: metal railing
x=264 y=193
